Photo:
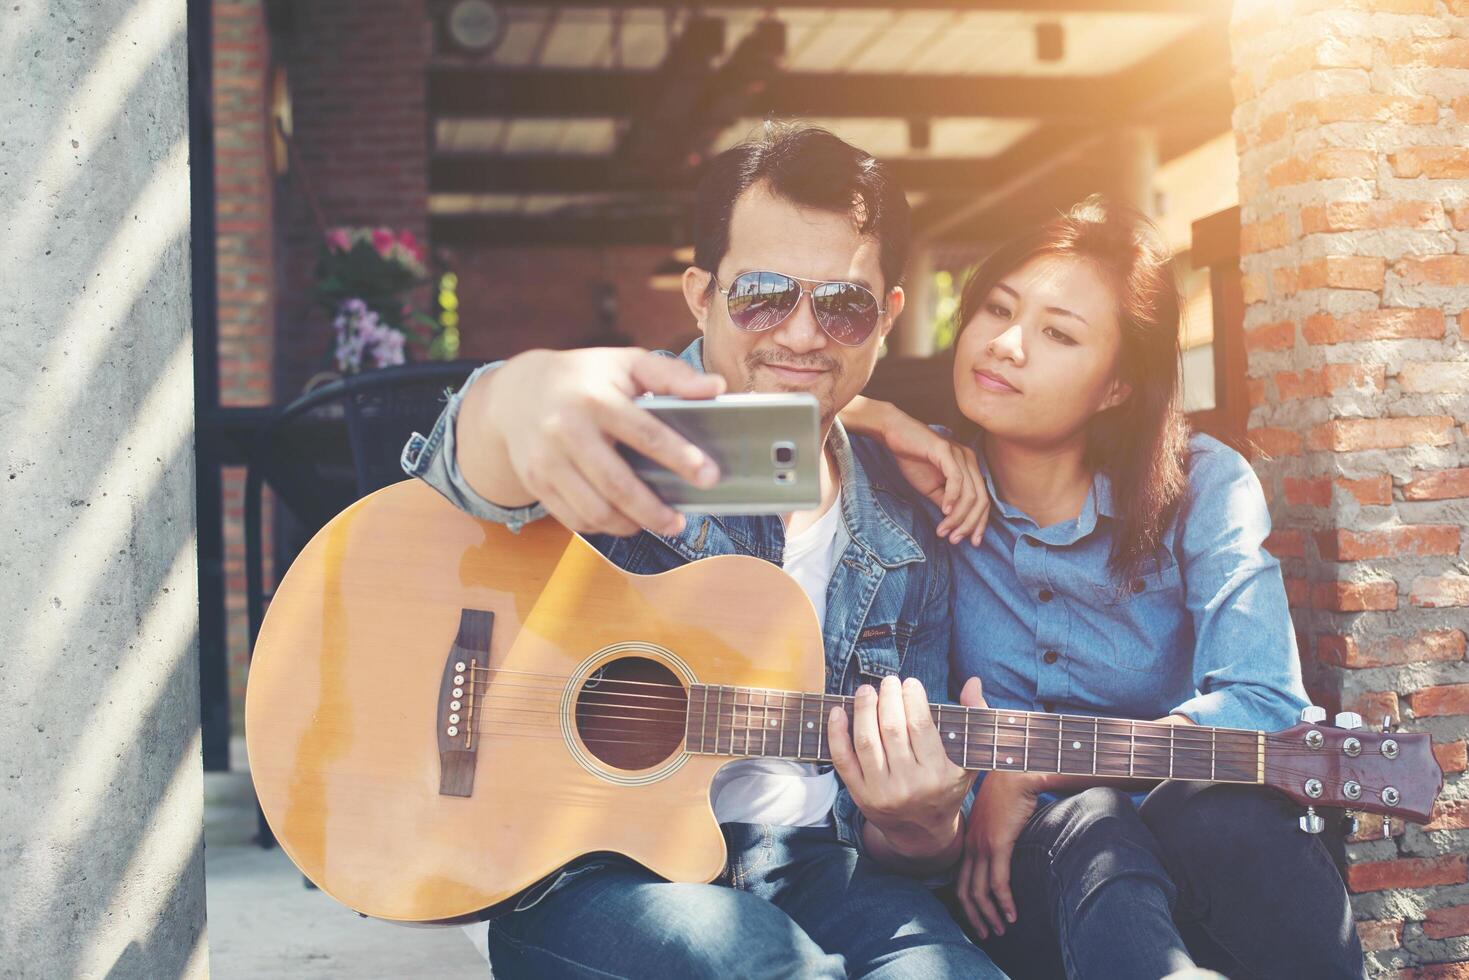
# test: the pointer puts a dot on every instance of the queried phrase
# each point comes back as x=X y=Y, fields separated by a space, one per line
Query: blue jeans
x=1216 y=876
x=792 y=902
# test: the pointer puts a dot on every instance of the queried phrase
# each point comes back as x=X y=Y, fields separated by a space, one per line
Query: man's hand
x=896 y=768
x=545 y=424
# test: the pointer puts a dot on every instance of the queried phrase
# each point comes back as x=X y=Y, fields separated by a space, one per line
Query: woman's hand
x=1004 y=803
x=940 y=469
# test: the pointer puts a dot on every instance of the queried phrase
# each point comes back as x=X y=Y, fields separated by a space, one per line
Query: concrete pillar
x=1135 y=151
x=1352 y=121
x=101 y=853
x=914 y=335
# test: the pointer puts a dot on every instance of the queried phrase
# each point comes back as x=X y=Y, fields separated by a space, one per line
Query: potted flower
x=363 y=279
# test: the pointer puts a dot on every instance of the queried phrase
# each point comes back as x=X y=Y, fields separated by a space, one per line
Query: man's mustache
x=799 y=363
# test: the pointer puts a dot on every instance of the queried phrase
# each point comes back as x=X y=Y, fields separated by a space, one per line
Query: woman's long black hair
x=1142 y=443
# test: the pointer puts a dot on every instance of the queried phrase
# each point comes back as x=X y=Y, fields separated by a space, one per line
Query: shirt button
x=1138 y=585
x=1045 y=595
x=1050 y=657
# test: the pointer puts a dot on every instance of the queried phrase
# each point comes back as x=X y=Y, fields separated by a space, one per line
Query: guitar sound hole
x=631 y=713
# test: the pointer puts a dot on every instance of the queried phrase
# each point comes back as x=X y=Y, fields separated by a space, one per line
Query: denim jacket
x=888 y=601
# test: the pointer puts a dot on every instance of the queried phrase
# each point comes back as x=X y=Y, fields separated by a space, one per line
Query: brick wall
x=358 y=79
x=1351 y=123
x=515 y=299
x=244 y=202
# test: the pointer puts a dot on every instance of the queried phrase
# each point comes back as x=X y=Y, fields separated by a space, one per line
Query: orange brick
x=1437 y=485
x=1435 y=162
x=1269 y=441
x=1435 y=971
x=1449 y=815
x=1434 y=376
x=1461 y=108
x=1271 y=128
x=1303 y=493
x=1255 y=287
x=1369 y=827
x=1390 y=651
x=1441 y=699
x=1399 y=109
x=1354 y=596
x=1323 y=381
x=1343 y=52
x=1271 y=336
x=1262 y=236
x=1435 y=270
x=1452 y=756
x=1330 y=164
x=1373 y=706
x=1352 y=435
x=1379 y=934
x=1405 y=541
x=1372 y=876
x=1460 y=216
x=1442 y=923
x=1446 y=592
x=1286 y=543
x=1372 y=491
x=1297 y=593
x=1255 y=389
x=1345 y=272
x=1430 y=52
x=1369 y=215
x=1391 y=324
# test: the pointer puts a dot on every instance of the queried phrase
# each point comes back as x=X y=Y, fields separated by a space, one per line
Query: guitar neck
x=749 y=722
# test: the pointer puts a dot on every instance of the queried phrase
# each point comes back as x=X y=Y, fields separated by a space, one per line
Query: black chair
x=331 y=446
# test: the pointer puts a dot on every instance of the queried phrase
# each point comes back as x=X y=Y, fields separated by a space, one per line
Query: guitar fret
x=1171 y=730
x=1096 y=738
x=1131 y=747
x=782 y=746
x=1025 y=748
x=1213 y=750
x=995 y=762
x=965 y=763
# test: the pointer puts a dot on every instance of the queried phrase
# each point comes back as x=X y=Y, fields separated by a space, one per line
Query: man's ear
x=1120 y=392
x=896 y=300
x=698 y=294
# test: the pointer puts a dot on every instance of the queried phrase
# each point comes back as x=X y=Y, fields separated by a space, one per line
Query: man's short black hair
x=812 y=168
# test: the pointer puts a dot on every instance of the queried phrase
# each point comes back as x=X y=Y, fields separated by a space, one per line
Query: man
x=822 y=877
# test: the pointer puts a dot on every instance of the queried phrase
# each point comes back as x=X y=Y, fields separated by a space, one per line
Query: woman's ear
x=697 y=293
x=1116 y=395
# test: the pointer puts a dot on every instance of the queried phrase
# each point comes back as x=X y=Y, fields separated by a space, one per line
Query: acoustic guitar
x=442 y=712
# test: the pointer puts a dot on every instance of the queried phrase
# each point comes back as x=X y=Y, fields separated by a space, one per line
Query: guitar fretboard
x=748 y=722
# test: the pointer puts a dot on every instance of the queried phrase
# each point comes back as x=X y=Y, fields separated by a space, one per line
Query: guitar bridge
x=461 y=692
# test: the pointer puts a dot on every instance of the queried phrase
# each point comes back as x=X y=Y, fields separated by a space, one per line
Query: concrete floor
x=263 y=922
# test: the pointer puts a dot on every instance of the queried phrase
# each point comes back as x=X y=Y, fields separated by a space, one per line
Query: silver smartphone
x=767 y=448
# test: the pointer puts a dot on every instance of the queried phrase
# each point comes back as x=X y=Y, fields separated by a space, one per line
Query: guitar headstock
x=1345 y=765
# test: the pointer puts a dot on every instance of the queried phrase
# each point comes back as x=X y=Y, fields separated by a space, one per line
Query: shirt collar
x=867 y=521
x=1098 y=503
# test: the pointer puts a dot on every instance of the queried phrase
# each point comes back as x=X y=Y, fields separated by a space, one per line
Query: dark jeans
x=1209 y=875
x=792 y=902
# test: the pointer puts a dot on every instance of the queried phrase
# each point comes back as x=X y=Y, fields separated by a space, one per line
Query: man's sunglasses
x=845 y=311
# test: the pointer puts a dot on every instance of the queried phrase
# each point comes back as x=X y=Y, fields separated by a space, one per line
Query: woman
x=1122 y=573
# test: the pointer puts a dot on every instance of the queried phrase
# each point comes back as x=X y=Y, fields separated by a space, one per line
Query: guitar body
x=353 y=683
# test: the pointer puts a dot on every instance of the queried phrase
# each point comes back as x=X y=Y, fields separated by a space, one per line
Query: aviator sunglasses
x=845 y=311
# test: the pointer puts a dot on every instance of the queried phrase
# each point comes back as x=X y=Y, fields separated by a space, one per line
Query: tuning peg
x=1313 y=714
x=1312 y=823
x=1348 y=720
x=1387 y=723
x=1349 y=822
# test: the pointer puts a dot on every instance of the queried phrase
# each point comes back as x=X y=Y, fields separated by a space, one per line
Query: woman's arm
x=1246 y=669
x=941 y=470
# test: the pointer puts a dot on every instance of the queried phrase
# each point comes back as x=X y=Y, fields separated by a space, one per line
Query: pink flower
x=411 y=245
x=382 y=240
x=337 y=240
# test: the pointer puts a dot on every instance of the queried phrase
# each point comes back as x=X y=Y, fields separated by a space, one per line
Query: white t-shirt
x=782 y=791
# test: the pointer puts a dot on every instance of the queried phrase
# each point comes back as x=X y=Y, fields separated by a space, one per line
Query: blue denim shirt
x=887 y=608
x=1204 y=631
